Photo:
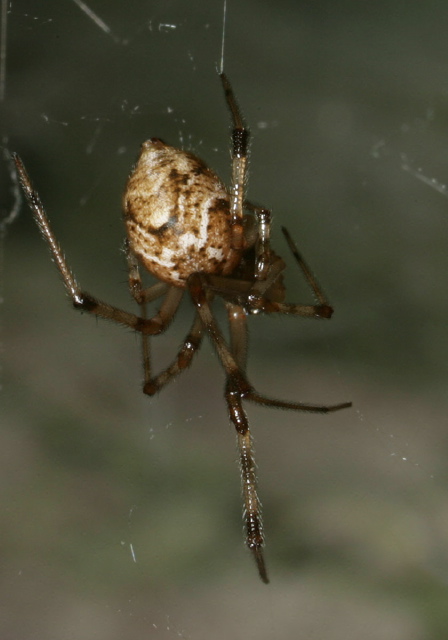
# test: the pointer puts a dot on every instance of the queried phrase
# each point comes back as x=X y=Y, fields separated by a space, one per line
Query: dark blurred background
x=121 y=514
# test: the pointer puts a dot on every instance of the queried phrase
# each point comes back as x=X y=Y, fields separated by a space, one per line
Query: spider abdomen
x=177 y=215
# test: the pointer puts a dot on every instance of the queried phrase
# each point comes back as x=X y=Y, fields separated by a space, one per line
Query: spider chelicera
x=191 y=232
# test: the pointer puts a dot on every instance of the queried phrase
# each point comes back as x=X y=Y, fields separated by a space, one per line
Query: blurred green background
x=121 y=515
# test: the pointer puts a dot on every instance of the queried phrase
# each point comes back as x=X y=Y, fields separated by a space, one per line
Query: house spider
x=190 y=231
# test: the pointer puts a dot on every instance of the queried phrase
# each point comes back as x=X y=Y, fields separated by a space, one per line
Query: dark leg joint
x=236 y=413
x=239 y=141
x=149 y=327
x=238 y=385
x=196 y=289
x=84 y=302
x=150 y=388
x=187 y=352
x=324 y=311
x=235 y=391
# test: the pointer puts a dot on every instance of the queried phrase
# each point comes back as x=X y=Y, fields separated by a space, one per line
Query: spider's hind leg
x=233 y=360
x=252 y=506
x=238 y=389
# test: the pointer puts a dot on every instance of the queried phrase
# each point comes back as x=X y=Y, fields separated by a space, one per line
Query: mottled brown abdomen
x=177 y=215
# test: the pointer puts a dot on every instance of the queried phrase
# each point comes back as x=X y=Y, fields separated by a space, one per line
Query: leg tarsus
x=258 y=398
x=259 y=559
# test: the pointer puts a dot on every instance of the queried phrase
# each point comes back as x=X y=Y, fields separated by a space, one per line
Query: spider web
x=114 y=502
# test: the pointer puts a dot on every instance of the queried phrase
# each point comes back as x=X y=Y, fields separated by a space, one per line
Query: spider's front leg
x=80 y=299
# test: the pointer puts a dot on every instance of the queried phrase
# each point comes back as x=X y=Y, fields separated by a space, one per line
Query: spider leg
x=252 y=506
x=136 y=288
x=240 y=139
x=267 y=269
x=237 y=289
x=197 y=285
x=255 y=300
x=259 y=304
x=309 y=276
x=189 y=348
x=251 y=295
x=80 y=299
x=237 y=318
x=238 y=388
x=142 y=296
x=258 y=398
x=263 y=252
x=191 y=343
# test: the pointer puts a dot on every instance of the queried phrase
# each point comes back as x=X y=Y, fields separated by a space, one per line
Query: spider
x=195 y=235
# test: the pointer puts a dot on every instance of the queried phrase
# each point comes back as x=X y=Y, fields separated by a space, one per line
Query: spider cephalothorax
x=193 y=234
